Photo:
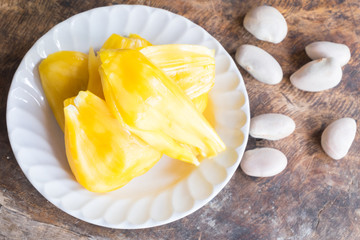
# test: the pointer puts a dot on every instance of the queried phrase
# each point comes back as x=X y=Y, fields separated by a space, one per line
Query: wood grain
x=314 y=198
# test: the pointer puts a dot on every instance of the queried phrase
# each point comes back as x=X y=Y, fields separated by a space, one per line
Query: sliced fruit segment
x=154 y=107
x=192 y=67
x=116 y=41
x=94 y=84
x=63 y=74
x=102 y=155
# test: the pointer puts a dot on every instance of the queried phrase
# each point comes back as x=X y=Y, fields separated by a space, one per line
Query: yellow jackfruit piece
x=154 y=107
x=116 y=41
x=94 y=84
x=63 y=74
x=102 y=155
x=192 y=67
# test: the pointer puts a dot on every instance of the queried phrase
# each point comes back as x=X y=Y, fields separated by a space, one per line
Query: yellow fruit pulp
x=63 y=74
x=155 y=96
x=102 y=155
x=154 y=107
x=201 y=102
x=94 y=84
x=192 y=67
x=116 y=41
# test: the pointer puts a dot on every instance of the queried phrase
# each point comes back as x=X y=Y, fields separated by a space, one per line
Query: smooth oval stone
x=266 y=23
x=323 y=49
x=337 y=138
x=317 y=75
x=259 y=63
x=271 y=126
x=263 y=162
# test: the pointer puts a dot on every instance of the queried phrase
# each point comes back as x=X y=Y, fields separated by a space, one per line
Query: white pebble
x=324 y=49
x=317 y=75
x=271 y=126
x=337 y=138
x=259 y=63
x=266 y=23
x=263 y=162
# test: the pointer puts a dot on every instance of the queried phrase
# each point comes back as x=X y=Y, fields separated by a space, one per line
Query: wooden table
x=314 y=198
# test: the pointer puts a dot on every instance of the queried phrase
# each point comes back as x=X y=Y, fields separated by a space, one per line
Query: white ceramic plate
x=171 y=189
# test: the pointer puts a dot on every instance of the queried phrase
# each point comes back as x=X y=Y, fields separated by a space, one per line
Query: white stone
x=323 y=49
x=317 y=75
x=259 y=63
x=337 y=138
x=263 y=162
x=271 y=126
x=266 y=23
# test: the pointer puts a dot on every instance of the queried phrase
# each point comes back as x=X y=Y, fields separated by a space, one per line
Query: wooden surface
x=314 y=198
